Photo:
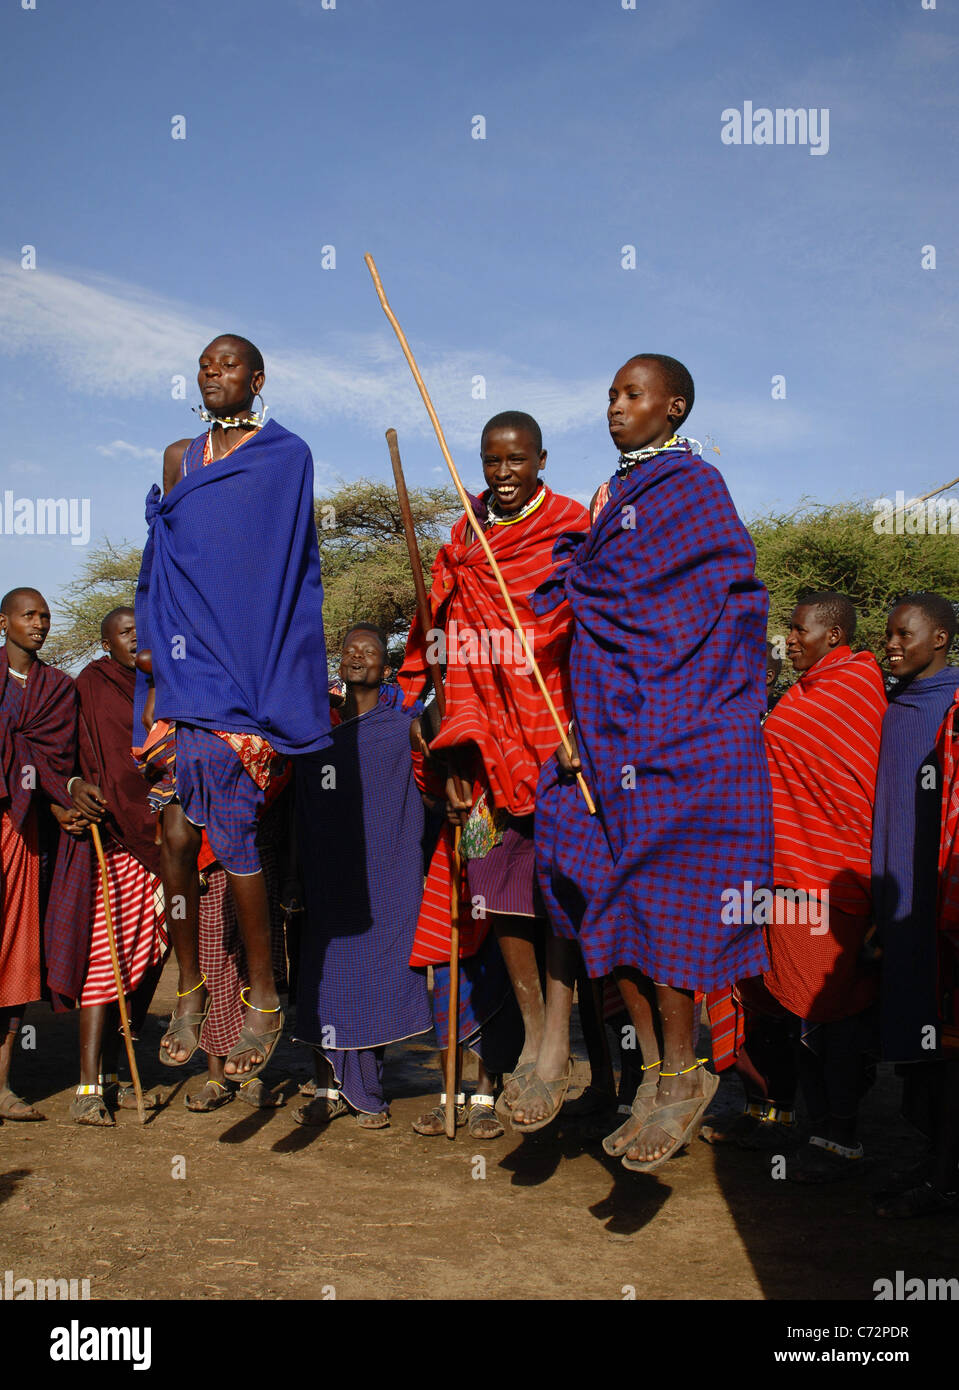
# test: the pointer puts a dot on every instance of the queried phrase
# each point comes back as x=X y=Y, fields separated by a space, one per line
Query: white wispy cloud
x=120 y=448
x=108 y=338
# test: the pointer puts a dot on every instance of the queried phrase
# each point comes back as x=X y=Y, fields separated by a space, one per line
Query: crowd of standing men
x=790 y=866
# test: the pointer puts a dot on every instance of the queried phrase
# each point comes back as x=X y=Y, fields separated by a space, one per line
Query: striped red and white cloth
x=222 y=959
x=822 y=742
x=138 y=928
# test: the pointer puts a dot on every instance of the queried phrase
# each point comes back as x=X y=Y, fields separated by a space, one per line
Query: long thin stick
x=926 y=495
x=121 y=998
x=452 y=1065
x=416 y=564
x=480 y=535
x=452 y=1042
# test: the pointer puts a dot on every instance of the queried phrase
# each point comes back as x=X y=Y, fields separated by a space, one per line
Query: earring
x=261 y=414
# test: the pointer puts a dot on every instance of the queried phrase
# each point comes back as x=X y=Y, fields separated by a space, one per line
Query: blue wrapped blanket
x=230 y=598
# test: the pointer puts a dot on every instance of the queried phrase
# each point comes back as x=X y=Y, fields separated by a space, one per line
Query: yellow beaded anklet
x=700 y=1062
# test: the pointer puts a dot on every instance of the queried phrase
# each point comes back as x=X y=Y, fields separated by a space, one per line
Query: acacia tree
x=107 y=579
x=366 y=568
x=837 y=547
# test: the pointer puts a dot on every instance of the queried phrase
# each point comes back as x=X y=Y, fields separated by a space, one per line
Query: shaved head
x=835 y=609
x=250 y=351
x=10 y=598
x=111 y=618
x=675 y=377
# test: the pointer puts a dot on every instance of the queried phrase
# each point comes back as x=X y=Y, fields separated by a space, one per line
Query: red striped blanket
x=494 y=705
x=822 y=743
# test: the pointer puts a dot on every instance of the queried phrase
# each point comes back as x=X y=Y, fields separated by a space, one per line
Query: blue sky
x=351 y=127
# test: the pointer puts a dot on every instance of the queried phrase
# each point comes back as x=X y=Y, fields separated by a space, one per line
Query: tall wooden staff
x=121 y=998
x=452 y=1065
x=480 y=534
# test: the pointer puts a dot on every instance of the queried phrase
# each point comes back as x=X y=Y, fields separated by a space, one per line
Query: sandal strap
x=249 y=1041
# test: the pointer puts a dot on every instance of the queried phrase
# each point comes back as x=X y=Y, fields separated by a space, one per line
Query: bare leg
x=517 y=938
x=253 y=920
x=674 y=1008
x=10 y=1020
x=562 y=960
x=639 y=996
x=92 y=1021
x=181 y=891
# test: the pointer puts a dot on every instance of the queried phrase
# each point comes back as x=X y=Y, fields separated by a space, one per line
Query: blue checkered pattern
x=217 y=792
x=668 y=676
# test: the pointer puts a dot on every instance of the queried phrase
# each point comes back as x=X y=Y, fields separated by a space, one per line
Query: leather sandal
x=554 y=1092
x=249 y=1041
x=674 y=1118
x=181 y=1024
x=619 y=1141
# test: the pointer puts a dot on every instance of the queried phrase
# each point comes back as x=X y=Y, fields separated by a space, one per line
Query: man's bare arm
x=172 y=464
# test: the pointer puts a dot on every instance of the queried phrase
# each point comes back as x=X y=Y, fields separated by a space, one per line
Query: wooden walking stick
x=480 y=534
x=121 y=998
x=452 y=1063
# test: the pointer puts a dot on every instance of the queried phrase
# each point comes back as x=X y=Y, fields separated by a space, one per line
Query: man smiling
x=496 y=734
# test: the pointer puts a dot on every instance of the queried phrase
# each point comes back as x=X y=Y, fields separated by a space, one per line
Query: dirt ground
x=269 y=1210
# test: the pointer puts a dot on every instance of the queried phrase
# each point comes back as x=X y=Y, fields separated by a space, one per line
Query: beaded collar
x=634 y=456
x=537 y=500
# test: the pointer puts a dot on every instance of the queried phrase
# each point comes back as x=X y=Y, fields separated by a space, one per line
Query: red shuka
x=822 y=742
x=493 y=702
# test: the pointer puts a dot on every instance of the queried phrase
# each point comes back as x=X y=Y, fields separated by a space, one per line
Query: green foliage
x=107 y=579
x=835 y=547
x=366 y=567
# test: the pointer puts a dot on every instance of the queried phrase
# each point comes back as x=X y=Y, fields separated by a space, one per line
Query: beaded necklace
x=634 y=456
x=535 y=501
x=208 y=446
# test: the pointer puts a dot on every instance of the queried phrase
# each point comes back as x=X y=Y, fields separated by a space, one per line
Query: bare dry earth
x=270 y=1210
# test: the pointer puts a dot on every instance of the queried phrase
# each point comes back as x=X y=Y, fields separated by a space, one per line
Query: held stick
x=121 y=998
x=480 y=535
x=452 y=1044
x=416 y=564
x=452 y=1064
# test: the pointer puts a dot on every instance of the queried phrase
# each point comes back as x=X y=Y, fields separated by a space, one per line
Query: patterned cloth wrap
x=667 y=669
